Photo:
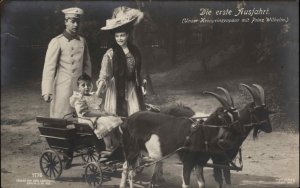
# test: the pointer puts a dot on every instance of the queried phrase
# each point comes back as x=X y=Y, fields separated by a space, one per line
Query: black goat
x=254 y=116
x=160 y=134
x=216 y=131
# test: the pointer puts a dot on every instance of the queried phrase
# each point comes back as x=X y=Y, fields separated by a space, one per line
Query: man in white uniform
x=67 y=58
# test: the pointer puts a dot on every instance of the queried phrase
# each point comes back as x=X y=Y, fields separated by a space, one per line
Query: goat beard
x=255 y=132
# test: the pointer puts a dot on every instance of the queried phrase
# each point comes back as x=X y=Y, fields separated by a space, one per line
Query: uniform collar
x=69 y=36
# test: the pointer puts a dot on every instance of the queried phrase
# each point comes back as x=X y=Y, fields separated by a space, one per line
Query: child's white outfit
x=83 y=104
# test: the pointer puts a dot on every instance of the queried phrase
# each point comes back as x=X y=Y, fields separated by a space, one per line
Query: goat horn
x=253 y=94
x=224 y=103
x=261 y=92
x=228 y=96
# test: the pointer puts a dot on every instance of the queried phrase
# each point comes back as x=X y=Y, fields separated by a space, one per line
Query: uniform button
x=72 y=63
x=72 y=48
x=73 y=70
x=71 y=55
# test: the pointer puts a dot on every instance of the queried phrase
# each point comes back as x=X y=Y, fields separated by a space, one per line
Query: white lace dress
x=109 y=85
x=83 y=104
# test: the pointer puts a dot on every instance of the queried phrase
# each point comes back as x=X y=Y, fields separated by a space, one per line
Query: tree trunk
x=171 y=42
x=144 y=52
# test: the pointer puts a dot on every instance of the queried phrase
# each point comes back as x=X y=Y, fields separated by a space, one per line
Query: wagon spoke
x=50 y=172
x=50 y=158
x=96 y=156
x=47 y=170
x=55 y=170
x=47 y=163
x=92 y=158
x=47 y=166
x=90 y=168
x=98 y=178
x=94 y=169
x=46 y=158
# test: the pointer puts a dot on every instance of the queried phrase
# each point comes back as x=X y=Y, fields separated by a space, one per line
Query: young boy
x=87 y=106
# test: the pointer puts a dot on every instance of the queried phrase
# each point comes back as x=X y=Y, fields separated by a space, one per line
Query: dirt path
x=270 y=161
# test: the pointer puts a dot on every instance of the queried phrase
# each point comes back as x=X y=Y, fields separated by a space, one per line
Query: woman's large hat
x=122 y=16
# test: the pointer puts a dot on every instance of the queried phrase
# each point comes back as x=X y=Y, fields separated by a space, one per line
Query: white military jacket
x=66 y=59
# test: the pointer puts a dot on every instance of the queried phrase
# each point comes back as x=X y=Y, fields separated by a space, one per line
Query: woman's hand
x=100 y=88
x=98 y=92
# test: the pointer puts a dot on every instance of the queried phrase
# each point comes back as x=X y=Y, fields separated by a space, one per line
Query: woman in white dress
x=120 y=69
x=121 y=65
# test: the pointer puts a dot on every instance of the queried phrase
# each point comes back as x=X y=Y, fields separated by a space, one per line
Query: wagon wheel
x=93 y=174
x=91 y=155
x=50 y=164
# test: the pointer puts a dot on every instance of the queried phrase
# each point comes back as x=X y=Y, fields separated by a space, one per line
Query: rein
x=195 y=121
x=254 y=118
x=196 y=124
x=156 y=161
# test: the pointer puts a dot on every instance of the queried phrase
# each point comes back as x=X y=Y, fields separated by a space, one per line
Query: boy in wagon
x=87 y=106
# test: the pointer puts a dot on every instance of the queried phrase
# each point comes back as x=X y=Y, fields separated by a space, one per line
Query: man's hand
x=47 y=97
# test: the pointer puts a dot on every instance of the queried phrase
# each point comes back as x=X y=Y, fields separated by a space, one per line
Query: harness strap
x=194 y=127
x=156 y=161
x=120 y=129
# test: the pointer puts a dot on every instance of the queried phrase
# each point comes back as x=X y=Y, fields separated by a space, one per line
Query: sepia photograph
x=149 y=93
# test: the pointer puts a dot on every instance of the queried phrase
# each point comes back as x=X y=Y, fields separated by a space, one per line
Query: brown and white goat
x=160 y=134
